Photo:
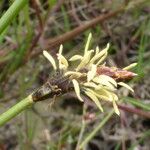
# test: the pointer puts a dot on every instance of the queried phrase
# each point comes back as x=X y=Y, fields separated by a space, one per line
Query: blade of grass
x=32 y=124
x=117 y=146
x=51 y=3
x=83 y=125
x=93 y=133
x=20 y=136
x=142 y=48
x=3 y=35
x=10 y=14
x=66 y=19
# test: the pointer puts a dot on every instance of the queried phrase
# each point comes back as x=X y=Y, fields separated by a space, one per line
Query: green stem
x=9 y=15
x=92 y=134
x=15 y=110
x=82 y=128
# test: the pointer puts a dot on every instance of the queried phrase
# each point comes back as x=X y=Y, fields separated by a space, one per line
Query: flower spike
x=91 y=76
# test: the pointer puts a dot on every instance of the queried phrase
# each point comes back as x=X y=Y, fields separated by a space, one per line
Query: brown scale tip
x=116 y=73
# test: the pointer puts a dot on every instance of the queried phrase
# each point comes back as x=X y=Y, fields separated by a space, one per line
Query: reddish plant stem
x=55 y=42
x=40 y=29
x=134 y=110
x=77 y=31
x=38 y=13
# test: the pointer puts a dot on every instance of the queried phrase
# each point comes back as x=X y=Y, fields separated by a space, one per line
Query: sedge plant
x=90 y=78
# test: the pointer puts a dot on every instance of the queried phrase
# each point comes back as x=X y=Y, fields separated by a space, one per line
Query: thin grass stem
x=15 y=110
x=9 y=15
x=93 y=133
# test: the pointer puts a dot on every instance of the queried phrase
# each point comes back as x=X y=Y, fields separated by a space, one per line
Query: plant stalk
x=10 y=14
x=45 y=91
x=15 y=110
x=93 y=133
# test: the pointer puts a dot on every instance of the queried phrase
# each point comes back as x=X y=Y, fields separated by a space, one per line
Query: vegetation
x=29 y=27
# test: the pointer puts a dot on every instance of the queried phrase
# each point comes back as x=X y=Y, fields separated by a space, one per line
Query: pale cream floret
x=130 y=66
x=101 y=78
x=76 y=57
x=92 y=85
x=85 y=60
x=50 y=58
x=63 y=63
x=101 y=59
x=97 y=50
x=87 y=43
x=99 y=54
x=91 y=94
x=126 y=86
x=91 y=74
x=116 y=108
x=77 y=89
x=74 y=73
x=105 y=80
